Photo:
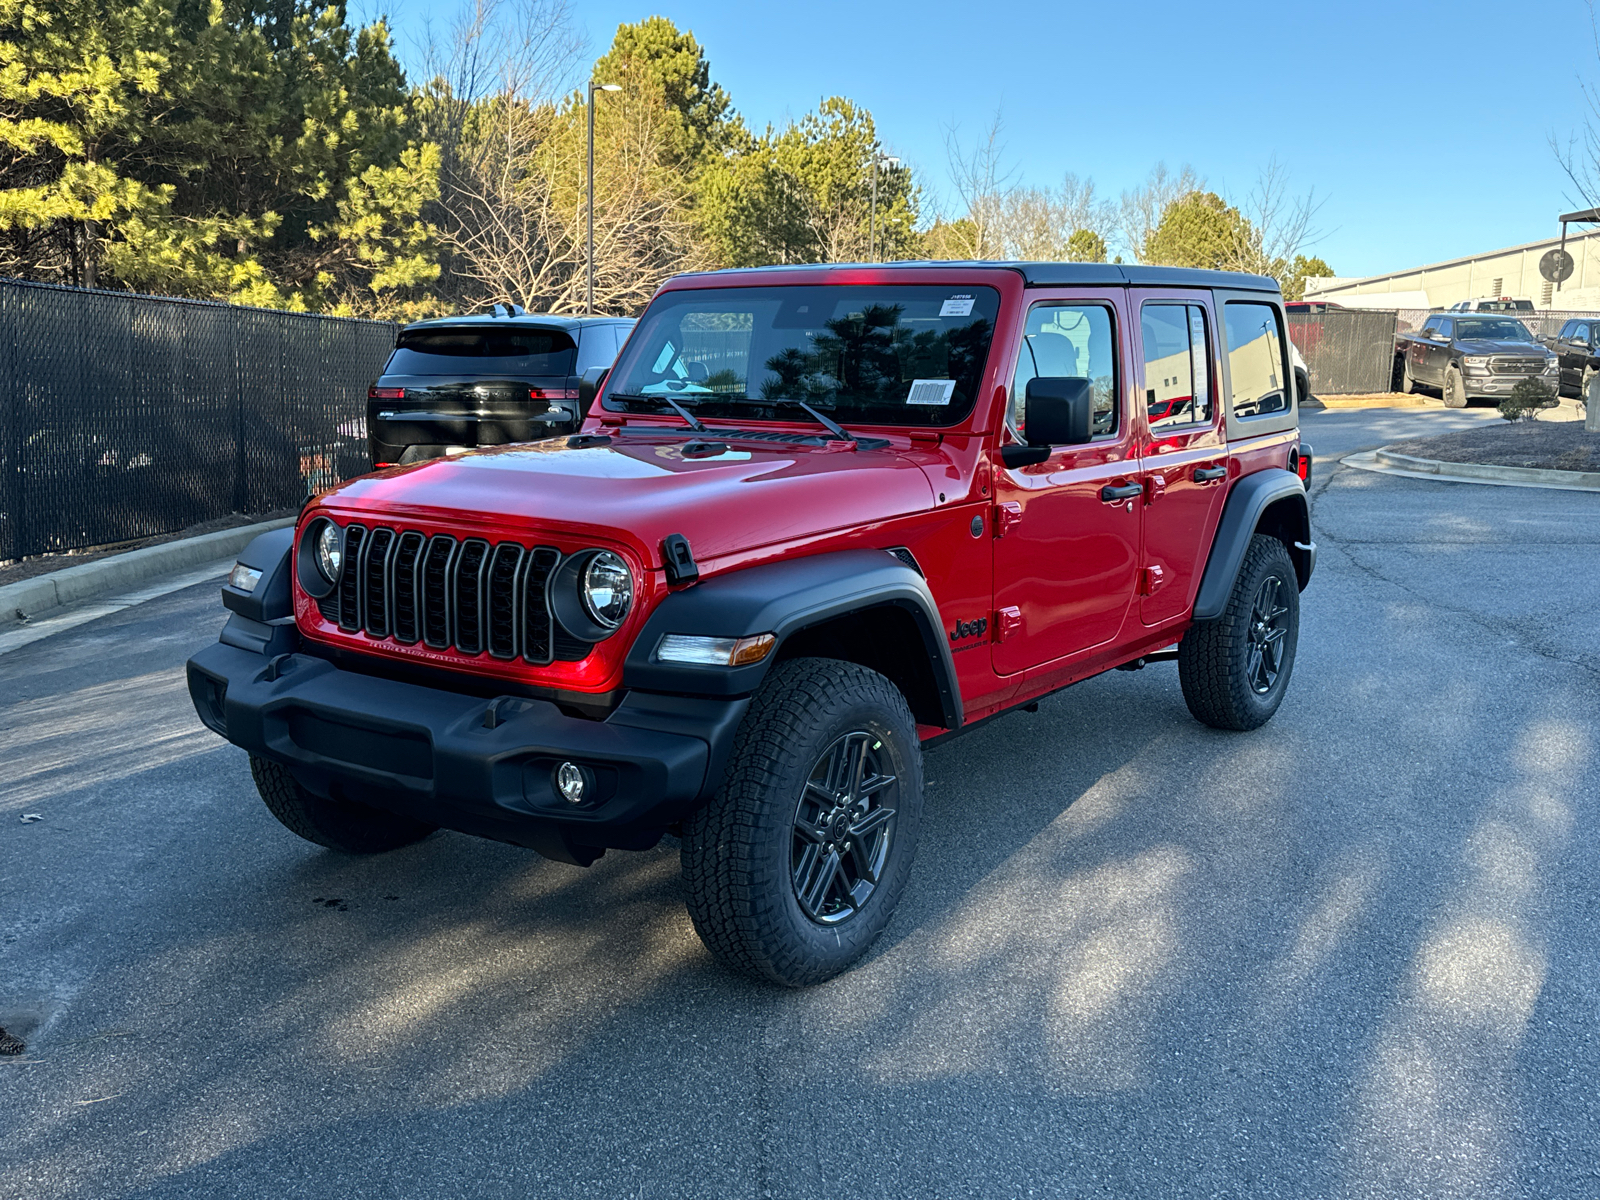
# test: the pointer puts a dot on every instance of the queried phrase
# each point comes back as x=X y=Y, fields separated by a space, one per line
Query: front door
x=1183 y=455
x=1066 y=551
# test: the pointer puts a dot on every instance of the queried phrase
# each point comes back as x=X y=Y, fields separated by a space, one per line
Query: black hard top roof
x=1048 y=274
x=542 y=320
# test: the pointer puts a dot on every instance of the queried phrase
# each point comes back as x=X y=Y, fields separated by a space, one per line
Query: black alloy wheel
x=843 y=829
x=1235 y=670
x=1269 y=623
x=797 y=863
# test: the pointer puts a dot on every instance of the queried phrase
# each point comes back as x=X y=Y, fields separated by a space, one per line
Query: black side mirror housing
x=589 y=385
x=1060 y=413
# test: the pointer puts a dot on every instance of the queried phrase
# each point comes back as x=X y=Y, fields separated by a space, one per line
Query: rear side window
x=481 y=351
x=1256 y=364
x=1177 y=365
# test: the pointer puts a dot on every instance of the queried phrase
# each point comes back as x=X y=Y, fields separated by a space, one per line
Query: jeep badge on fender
x=736 y=604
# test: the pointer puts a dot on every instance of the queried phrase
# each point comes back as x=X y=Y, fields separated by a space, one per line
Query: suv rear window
x=475 y=350
x=908 y=355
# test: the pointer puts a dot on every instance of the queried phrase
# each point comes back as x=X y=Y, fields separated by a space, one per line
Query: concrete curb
x=121 y=572
x=1387 y=462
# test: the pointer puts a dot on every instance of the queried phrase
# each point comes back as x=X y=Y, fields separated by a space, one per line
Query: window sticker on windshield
x=931 y=391
x=956 y=306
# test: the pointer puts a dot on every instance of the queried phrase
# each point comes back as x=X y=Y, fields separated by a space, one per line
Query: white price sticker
x=956 y=306
x=931 y=391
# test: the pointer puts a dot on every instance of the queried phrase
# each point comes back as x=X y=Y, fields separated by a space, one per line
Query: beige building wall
x=1510 y=272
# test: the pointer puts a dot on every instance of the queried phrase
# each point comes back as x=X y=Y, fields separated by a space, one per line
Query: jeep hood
x=642 y=489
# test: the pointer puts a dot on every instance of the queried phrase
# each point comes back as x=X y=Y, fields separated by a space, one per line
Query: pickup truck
x=1470 y=357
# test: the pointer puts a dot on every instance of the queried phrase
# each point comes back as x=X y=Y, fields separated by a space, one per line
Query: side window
x=1447 y=326
x=1580 y=332
x=1177 y=365
x=1256 y=363
x=1431 y=324
x=1074 y=341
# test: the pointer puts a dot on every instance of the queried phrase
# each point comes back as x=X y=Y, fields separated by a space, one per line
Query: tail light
x=378 y=393
x=1300 y=462
x=552 y=393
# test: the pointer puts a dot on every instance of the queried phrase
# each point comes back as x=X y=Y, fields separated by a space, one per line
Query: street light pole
x=588 y=306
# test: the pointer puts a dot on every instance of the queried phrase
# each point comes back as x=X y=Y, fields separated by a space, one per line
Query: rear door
x=1183 y=452
x=1573 y=349
x=1066 y=554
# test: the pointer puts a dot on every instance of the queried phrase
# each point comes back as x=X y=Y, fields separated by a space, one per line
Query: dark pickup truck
x=1470 y=357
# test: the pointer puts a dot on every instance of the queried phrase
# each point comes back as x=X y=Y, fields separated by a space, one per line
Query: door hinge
x=1007 y=516
x=1151 y=579
x=1007 y=623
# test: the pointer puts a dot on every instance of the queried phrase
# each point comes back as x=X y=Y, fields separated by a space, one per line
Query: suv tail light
x=552 y=393
x=378 y=393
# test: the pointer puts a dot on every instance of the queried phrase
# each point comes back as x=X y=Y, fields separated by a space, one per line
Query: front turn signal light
x=714 y=651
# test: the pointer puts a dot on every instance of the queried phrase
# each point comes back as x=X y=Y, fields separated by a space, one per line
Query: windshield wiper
x=826 y=422
x=694 y=421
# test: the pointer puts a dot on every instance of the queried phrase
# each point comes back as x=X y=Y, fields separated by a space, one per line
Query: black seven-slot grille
x=1517 y=366
x=465 y=594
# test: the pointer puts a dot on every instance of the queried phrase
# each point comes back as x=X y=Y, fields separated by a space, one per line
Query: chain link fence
x=1348 y=351
x=126 y=416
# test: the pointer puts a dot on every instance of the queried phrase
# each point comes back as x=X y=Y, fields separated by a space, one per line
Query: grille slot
x=468 y=573
x=375 y=582
x=536 y=622
x=355 y=537
x=469 y=596
x=436 y=591
x=405 y=588
x=500 y=604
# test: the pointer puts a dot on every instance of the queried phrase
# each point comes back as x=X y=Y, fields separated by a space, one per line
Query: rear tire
x=337 y=824
x=796 y=865
x=1408 y=385
x=1455 y=390
x=1235 y=670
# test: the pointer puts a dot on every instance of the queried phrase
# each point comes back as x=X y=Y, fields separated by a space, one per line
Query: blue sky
x=1425 y=128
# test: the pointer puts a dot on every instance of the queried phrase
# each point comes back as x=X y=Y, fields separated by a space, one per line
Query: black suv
x=454 y=383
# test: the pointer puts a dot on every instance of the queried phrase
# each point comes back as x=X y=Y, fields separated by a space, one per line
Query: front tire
x=796 y=865
x=337 y=824
x=1408 y=385
x=1235 y=670
x=1455 y=390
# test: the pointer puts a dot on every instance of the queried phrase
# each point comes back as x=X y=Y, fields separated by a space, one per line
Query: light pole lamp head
x=607 y=87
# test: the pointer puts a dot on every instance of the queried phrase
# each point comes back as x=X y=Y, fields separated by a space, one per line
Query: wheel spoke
x=858 y=766
x=873 y=786
x=1252 y=669
x=815 y=875
x=808 y=831
x=872 y=822
x=863 y=860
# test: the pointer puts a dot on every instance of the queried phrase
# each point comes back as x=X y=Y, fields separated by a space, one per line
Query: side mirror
x=1060 y=412
x=589 y=385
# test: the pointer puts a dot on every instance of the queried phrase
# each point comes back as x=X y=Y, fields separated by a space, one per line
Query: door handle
x=1208 y=474
x=1126 y=491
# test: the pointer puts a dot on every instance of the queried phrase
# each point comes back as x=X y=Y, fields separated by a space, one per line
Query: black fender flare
x=1250 y=500
x=785 y=599
x=262 y=619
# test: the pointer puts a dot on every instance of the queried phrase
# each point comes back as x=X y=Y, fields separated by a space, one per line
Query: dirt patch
x=43 y=564
x=1548 y=445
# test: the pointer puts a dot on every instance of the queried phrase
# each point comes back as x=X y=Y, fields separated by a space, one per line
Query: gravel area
x=42 y=564
x=1550 y=445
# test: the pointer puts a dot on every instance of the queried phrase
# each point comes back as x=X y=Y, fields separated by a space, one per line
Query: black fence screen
x=125 y=416
x=1348 y=351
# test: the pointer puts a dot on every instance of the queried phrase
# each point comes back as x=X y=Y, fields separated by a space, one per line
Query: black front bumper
x=479 y=766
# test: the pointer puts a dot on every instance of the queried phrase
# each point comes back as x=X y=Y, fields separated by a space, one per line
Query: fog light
x=572 y=782
x=244 y=578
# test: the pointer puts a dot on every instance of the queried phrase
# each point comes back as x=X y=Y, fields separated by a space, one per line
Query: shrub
x=1527 y=399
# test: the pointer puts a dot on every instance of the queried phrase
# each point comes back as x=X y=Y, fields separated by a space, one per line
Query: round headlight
x=607 y=589
x=330 y=551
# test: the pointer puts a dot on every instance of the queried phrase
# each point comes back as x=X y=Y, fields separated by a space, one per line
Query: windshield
x=909 y=355
x=1498 y=329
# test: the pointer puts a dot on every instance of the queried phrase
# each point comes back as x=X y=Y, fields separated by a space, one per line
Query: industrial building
x=1513 y=271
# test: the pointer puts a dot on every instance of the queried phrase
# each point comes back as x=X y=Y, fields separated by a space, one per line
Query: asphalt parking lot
x=1350 y=955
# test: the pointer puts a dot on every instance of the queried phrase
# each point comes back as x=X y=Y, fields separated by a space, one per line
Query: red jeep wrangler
x=817 y=518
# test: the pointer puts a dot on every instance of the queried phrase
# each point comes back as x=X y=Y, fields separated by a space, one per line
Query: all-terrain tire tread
x=733 y=910
x=1212 y=654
